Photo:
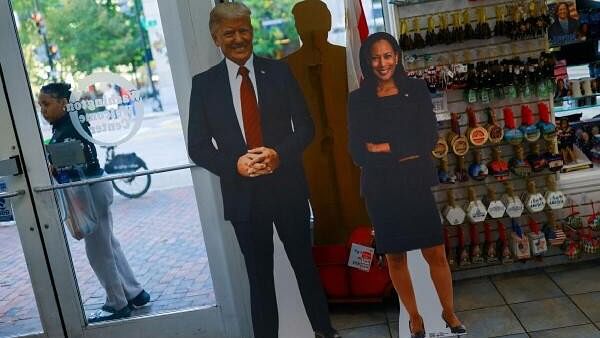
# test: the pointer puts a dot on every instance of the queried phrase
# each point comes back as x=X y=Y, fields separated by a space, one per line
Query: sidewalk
x=162 y=238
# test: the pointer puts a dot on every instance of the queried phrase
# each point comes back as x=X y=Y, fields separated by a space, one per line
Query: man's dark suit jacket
x=286 y=127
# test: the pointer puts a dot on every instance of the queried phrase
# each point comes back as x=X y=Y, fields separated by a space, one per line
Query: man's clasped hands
x=257 y=162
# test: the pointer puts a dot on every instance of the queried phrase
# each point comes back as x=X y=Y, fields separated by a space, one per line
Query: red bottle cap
x=474 y=235
x=544 y=112
x=509 y=118
x=526 y=115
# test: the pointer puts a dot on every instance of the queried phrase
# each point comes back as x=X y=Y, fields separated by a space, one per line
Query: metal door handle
x=12 y=194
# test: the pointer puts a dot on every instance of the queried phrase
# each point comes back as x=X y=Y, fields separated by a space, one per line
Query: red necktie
x=250 y=111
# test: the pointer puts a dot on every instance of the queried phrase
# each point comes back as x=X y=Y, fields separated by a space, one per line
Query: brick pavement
x=162 y=238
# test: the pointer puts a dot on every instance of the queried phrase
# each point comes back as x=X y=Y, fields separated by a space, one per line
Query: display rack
x=471 y=51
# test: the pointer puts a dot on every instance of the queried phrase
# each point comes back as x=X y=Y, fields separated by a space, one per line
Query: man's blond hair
x=226 y=11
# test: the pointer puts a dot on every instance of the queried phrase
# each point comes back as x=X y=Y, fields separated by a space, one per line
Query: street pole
x=42 y=32
x=146 y=45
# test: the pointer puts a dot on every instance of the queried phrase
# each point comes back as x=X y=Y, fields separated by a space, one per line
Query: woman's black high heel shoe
x=418 y=334
x=459 y=329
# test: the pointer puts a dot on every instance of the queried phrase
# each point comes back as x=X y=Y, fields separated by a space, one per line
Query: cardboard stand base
x=427 y=300
x=293 y=321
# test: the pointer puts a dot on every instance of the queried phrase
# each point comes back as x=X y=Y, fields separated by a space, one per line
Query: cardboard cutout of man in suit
x=249 y=125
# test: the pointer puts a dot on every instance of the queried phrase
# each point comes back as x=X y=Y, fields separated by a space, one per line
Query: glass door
x=115 y=144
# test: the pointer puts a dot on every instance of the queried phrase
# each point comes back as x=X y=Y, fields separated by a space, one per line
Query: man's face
x=563 y=11
x=234 y=37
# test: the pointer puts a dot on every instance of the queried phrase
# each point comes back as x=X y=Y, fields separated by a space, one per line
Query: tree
x=90 y=35
x=280 y=34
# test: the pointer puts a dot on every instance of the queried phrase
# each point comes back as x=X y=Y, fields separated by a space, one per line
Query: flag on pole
x=356 y=32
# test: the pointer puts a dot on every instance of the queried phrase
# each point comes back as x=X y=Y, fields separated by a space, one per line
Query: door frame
x=231 y=316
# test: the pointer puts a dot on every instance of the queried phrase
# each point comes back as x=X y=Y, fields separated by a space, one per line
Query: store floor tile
x=582 y=331
x=579 y=280
x=520 y=335
x=475 y=294
x=490 y=322
x=589 y=304
x=548 y=314
x=346 y=316
x=375 y=331
x=517 y=288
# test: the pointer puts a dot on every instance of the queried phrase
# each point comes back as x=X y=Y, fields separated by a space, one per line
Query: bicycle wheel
x=133 y=187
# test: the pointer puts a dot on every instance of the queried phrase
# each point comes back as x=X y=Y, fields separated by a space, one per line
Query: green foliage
x=268 y=40
x=90 y=34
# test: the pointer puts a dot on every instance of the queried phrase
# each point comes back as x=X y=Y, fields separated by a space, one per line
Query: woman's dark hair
x=562 y=3
x=57 y=90
x=370 y=80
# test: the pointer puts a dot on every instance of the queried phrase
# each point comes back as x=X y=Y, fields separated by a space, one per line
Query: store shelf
x=594 y=107
x=554 y=256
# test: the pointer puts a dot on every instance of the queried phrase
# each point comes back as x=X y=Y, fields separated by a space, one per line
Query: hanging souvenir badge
x=444 y=175
x=537 y=239
x=553 y=157
x=495 y=132
x=452 y=213
x=518 y=164
x=460 y=172
x=554 y=234
x=514 y=206
x=555 y=199
x=478 y=170
x=530 y=131
x=440 y=150
x=495 y=207
x=475 y=209
x=534 y=201
x=519 y=243
x=547 y=128
x=476 y=134
x=490 y=246
x=498 y=167
x=476 y=254
x=457 y=142
x=512 y=135
x=537 y=161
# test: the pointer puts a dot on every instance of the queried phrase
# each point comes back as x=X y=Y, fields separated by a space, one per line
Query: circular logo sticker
x=114 y=113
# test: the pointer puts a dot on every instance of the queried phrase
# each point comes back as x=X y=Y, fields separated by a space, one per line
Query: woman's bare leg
x=400 y=276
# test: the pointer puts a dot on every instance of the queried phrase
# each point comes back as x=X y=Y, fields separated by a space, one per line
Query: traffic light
x=39 y=22
x=54 y=52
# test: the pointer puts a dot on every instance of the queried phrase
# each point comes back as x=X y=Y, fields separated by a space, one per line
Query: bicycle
x=131 y=187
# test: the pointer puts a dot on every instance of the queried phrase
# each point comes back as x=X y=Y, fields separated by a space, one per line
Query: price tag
x=361 y=257
x=5 y=207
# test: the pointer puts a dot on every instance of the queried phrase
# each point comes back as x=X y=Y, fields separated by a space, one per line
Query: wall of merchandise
x=493 y=81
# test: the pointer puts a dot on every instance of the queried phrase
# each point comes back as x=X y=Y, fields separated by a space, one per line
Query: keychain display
x=457 y=142
x=573 y=219
x=553 y=157
x=547 y=128
x=554 y=234
x=519 y=242
x=594 y=219
x=444 y=176
x=460 y=171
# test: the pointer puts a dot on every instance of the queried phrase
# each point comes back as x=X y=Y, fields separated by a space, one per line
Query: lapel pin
x=263 y=72
x=406 y=94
